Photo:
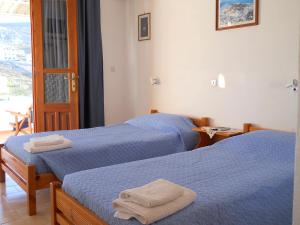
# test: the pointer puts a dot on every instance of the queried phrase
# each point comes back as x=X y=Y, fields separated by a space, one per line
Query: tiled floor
x=13 y=206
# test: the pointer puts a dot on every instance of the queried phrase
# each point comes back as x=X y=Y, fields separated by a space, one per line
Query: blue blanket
x=104 y=146
x=245 y=180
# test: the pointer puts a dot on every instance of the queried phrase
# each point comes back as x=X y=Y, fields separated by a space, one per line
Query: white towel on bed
x=128 y=210
x=153 y=194
x=29 y=147
x=47 y=140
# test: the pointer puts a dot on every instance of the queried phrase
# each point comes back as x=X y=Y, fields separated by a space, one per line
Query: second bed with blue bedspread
x=245 y=180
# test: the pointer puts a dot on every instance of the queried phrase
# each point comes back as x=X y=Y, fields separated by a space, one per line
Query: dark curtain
x=91 y=94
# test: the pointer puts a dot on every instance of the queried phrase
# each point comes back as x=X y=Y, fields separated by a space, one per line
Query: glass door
x=55 y=65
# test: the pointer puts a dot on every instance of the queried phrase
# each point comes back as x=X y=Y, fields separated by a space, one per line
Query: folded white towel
x=29 y=147
x=47 y=140
x=153 y=194
x=128 y=210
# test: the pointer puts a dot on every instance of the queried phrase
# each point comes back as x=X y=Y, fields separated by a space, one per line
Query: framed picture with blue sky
x=236 y=14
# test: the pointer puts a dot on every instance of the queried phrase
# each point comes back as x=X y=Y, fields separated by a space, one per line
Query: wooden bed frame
x=27 y=178
x=249 y=127
x=67 y=210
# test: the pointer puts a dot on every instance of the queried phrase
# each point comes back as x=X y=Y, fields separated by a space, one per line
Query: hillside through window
x=15 y=61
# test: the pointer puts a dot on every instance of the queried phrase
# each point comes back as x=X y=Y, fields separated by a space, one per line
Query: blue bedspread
x=104 y=146
x=246 y=180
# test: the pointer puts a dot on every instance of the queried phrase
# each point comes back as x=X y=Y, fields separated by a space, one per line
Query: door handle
x=74 y=79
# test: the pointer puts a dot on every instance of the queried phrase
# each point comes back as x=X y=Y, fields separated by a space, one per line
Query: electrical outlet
x=155 y=81
x=213 y=83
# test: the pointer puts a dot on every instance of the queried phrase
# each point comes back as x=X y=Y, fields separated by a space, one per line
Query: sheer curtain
x=55 y=34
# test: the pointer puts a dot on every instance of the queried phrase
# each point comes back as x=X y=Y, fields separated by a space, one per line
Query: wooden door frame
x=33 y=43
x=38 y=69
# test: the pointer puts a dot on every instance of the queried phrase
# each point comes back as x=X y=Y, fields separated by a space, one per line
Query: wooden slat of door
x=64 y=121
x=49 y=121
x=57 y=121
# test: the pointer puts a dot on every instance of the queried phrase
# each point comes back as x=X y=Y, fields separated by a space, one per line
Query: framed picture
x=145 y=27
x=236 y=13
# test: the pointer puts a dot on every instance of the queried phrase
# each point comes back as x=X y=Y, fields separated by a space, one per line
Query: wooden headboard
x=199 y=122
x=249 y=127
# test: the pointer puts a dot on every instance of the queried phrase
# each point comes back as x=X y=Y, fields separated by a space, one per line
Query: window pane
x=55 y=34
x=56 y=88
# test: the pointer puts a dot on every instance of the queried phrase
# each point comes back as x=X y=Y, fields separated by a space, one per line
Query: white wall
x=138 y=55
x=118 y=106
x=186 y=53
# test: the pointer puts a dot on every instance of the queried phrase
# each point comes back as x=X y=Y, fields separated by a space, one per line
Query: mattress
x=244 y=180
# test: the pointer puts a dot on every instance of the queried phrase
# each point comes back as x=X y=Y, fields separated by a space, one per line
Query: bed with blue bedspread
x=245 y=180
x=140 y=138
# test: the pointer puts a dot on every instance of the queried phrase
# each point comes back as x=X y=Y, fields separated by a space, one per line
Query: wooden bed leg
x=31 y=203
x=31 y=191
x=2 y=173
x=53 y=187
x=2 y=176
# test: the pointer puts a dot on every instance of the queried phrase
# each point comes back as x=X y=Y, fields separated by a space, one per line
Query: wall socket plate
x=155 y=81
x=214 y=83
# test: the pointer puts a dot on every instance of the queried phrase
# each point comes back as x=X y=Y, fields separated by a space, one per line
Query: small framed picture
x=145 y=27
x=236 y=13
